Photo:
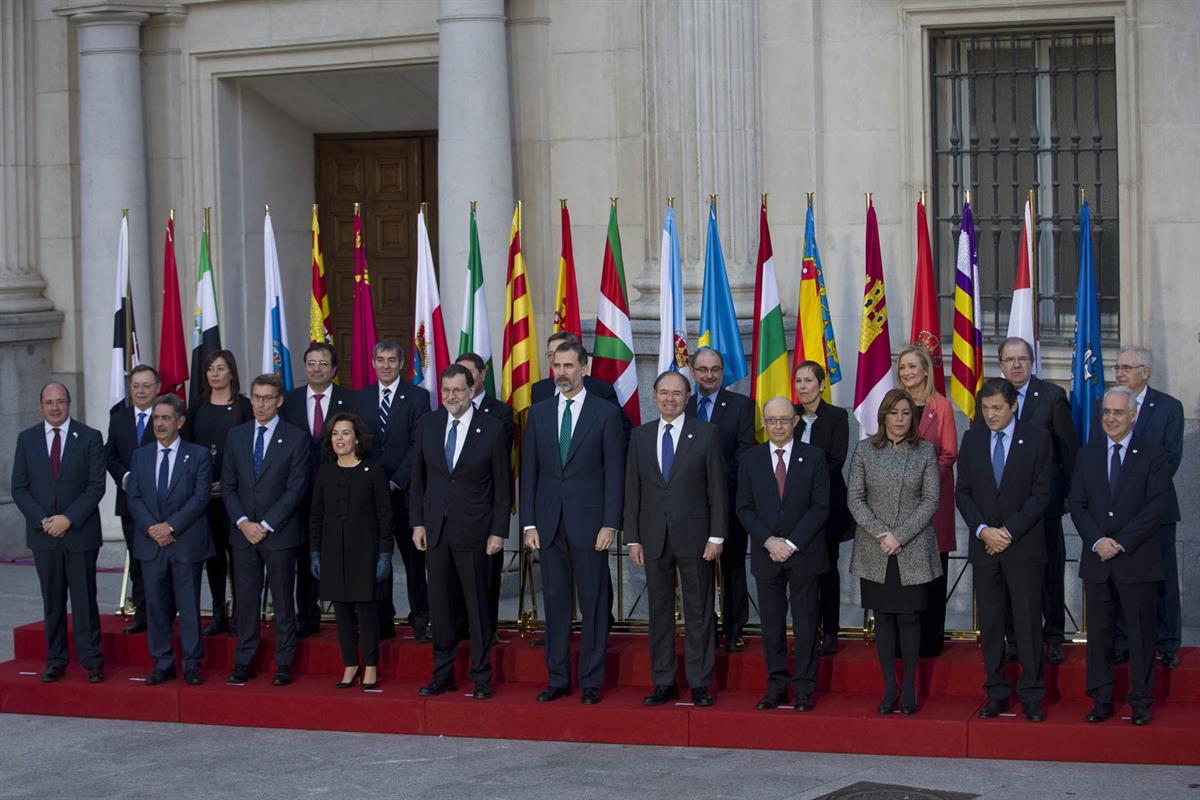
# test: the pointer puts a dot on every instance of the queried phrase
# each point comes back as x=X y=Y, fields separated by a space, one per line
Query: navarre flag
x=769 y=351
x=519 y=365
x=672 y=340
x=566 y=297
x=612 y=359
x=206 y=332
x=475 y=336
x=362 y=356
x=1022 y=319
x=320 y=327
x=926 y=331
x=1087 y=364
x=966 y=367
x=429 y=354
x=874 y=377
x=276 y=359
x=718 y=319
x=172 y=355
x=814 y=327
x=125 y=354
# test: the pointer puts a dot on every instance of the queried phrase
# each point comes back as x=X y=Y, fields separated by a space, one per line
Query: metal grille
x=1017 y=110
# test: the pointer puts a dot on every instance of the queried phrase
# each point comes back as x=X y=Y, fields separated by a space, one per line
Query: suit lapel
x=718 y=406
x=793 y=471
x=1144 y=415
x=472 y=433
x=70 y=438
x=1016 y=452
x=587 y=418
x=182 y=456
x=686 y=433
x=149 y=480
x=1033 y=398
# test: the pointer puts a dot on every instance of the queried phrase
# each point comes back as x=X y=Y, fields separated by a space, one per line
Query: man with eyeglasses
x=1160 y=420
x=1043 y=406
x=307 y=407
x=546 y=387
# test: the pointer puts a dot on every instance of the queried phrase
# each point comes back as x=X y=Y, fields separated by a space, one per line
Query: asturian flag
x=1021 y=320
x=718 y=319
x=1087 y=365
x=429 y=352
x=475 y=336
x=276 y=357
x=125 y=355
x=672 y=340
x=874 y=342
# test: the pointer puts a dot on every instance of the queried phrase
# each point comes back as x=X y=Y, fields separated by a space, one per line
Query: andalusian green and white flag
x=474 y=336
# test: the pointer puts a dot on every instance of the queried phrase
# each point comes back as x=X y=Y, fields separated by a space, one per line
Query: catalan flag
x=320 y=328
x=769 y=355
x=519 y=365
x=874 y=377
x=966 y=368
x=566 y=298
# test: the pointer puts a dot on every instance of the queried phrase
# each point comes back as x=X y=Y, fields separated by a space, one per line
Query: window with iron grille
x=1013 y=111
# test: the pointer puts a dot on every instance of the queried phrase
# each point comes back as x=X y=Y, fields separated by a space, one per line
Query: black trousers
x=358 y=625
x=1170 y=618
x=1136 y=604
x=170 y=588
x=696 y=579
x=448 y=570
x=830 y=588
x=933 y=618
x=735 y=599
x=308 y=588
x=898 y=635
x=414 y=575
x=566 y=570
x=778 y=587
x=62 y=572
x=137 y=589
x=998 y=587
x=1054 y=611
x=220 y=566
x=280 y=566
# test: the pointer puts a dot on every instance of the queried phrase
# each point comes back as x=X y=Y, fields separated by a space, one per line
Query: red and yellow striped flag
x=566 y=299
x=320 y=329
x=519 y=370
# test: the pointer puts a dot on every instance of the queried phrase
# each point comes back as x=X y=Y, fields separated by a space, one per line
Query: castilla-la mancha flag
x=429 y=355
x=874 y=343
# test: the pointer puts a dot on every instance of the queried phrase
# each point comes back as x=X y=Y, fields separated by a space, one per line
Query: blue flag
x=718 y=320
x=1087 y=367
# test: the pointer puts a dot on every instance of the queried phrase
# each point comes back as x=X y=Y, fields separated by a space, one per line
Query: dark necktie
x=668 y=451
x=164 y=474
x=998 y=458
x=780 y=472
x=451 y=444
x=702 y=408
x=385 y=408
x=564 y=434
x=141 y=426
x=56 y=453
x=1114 y=468
x=259 y=450
x=318 y=417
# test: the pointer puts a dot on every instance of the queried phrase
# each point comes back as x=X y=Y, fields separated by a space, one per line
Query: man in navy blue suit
x=57 y=483
x=169 y=485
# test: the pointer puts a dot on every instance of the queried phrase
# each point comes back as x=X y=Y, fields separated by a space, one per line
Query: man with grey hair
x=1160 y=420
x=1118 y=495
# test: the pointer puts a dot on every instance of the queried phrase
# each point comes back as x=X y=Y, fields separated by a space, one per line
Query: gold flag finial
x=207 y=216
x=171 y=215
x=1082 y=195
x=922 y=197
x=764 y=199
x=315 y=207
x=424 y=208
x=613 y=200
x=967 y=196
x=124 y=213
x=473 y=202
x=357 y=206
x=868 y=200
x=267 y=206
x=810 y=199
x=562 y=203
x=670 y=201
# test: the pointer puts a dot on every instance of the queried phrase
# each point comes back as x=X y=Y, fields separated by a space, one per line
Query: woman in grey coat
x=893 y=494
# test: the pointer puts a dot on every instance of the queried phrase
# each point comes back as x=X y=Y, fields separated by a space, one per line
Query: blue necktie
x=141 y=425
x=1114 y=468
x=998 y=458
x=702 y=408
x=259 y=450
x=164 y=474
x=385 y=408
x=451 y=442
x=668 y=451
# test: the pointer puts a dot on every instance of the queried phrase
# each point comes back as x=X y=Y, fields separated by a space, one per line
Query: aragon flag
x=206 y=332
x=874 y=377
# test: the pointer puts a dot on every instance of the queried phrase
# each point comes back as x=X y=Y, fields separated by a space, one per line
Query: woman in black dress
x=221 y=406
x=351 y=541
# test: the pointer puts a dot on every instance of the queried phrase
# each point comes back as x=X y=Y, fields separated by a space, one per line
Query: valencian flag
x=874 y=377
x=277 y=359
x=566 y=298
x=966 y=368
x=612 y=360
x=1022 y=319
x=206 y=333
x=475 y=336
x=172 y=356
x=926 y=330
x=125 y=355
x=814 y=327
x=1087 y=365
x=362 y=367
x=769 y=352
x=718 y=320
x=320 y=328
x=672 y=340
x=429 y=354
x=519 y=365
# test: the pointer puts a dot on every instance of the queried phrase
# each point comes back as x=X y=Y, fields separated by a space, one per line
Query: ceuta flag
x=1021 y=320
x=769 y=355
x=926 y=329
x=320 y=328
x=125 y=352
x=172 y=356
x=519 y=364
x=613 y=356
x=430 y=355
x=566 y=298
x=874 y=342
x=362 y=367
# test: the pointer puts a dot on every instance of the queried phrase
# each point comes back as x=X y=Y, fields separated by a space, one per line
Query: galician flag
x=769 y=354
x=966 y=367
x=429 y=352
x=672 y=340
x=718 y=320
x=206 y=333
x=612 y=359
x=125 y=355
x=475 y=336
x=566 y=297
x=276 y=358
x=1022 y=319
x=814 y=328
x=1087 y=364
x=874 y=341
x=320 y=328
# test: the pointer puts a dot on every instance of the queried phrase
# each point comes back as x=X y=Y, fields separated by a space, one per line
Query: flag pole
x=613 y=200
x=267 y=206
x=473 y=202
x=967 y=196
x=1033 y=248
x=921 y=197
x=207 y=211
x=171 y=215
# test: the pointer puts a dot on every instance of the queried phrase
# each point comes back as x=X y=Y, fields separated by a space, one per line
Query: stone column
x=475 y=160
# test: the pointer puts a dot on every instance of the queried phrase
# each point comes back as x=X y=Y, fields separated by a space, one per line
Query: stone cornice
x=71 y=9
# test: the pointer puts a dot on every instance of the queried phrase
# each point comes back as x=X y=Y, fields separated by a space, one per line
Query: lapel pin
x=479 y=430
x=74 y=434
x=1152 y=405
x=401 y=397
x=186 y=456
x=366 y=469
x=801 y=458
x=1135 y=452
x=689 y=436
x=339 y=402
x=1035 y=394
x=722 y=404
x=1020 y=441
x=279 y=441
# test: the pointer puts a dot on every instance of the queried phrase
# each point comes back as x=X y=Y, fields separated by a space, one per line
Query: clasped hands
x=56 y=525
x=778 y=549
x=1107 y=547
x=253 y=531
x=995 y=540
x=888 y=543
x=161 y=534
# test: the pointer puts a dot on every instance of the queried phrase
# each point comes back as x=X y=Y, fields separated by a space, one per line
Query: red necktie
x=55 y=454
x=318 y=417
x=780 y=472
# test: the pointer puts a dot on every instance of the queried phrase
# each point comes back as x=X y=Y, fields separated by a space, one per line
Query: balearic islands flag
x=769 y=354
x=320 y=328
x=613 y=356
x=277 y=359
x=172 y=357
x=475 y=336
x=874 y=342
x=519 y=365
x=566 y=298
x=206 y=333
x=1022 y=319
x=429 y=354
x=672 y=340
x=362 y=356
x=966 y=367
x=926 y=330
x=125 y=355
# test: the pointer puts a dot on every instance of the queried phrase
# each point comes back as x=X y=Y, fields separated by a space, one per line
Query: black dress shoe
x=306 y=630
x=552 y=693
x=231 y=628
x=1121 y=657
x=538 y=641
x=702 y=698
x=241 y=673
x=216 y=625
x=387 y=632
x=1140 y=716
x=192 y=677
x=137 y=626
x=591 y=696
x=803 y=704
x=1170 y=659
x=771 y=701
x=283 y=676
x=993 y=709
x=829 y=644
x=366 y=687
x=660 y=695
x=1033 y=711
x=483 y=690
x=422 y=635
x=53 y=674
x=434 y=688
x=96 y=674
x=160 y=676
x=1054 y=653
x=909 y=708
x=735 y=645
x=1100 y=712
x=349 y=683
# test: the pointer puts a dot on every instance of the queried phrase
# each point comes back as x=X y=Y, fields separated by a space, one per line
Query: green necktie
x=564 y=434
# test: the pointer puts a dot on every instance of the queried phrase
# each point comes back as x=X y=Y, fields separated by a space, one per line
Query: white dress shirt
x=1120 y=456
x=392 y=388
x=575 y=406
x=270 y=426
x=309 y=405
x=806 y=436
x=787 y=460
x=62 y=436
x=158 y=457
x=1020 y=403
x=464 y=422
x=1007 y=444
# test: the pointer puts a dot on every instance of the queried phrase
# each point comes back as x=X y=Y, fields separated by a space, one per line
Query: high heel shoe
x=908 y=705
x=888 y=704
x=349 y=683
x=366 y=687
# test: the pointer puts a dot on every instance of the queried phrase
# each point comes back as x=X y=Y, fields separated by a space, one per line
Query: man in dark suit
x=265 y=477
x=57 y=483
x=459 y=507
x=783 y=502
x=676 y=517
x=546 y=388
x=572 y=468
x=169 y=486
x=1119 y=494
x=733 y=414
x=1044 y=406
x=128 y=429
x=1005 y=478
x=391 y=407
x=307 y=407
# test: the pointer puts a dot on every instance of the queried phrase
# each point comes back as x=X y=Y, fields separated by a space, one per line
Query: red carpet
x=844 y=720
